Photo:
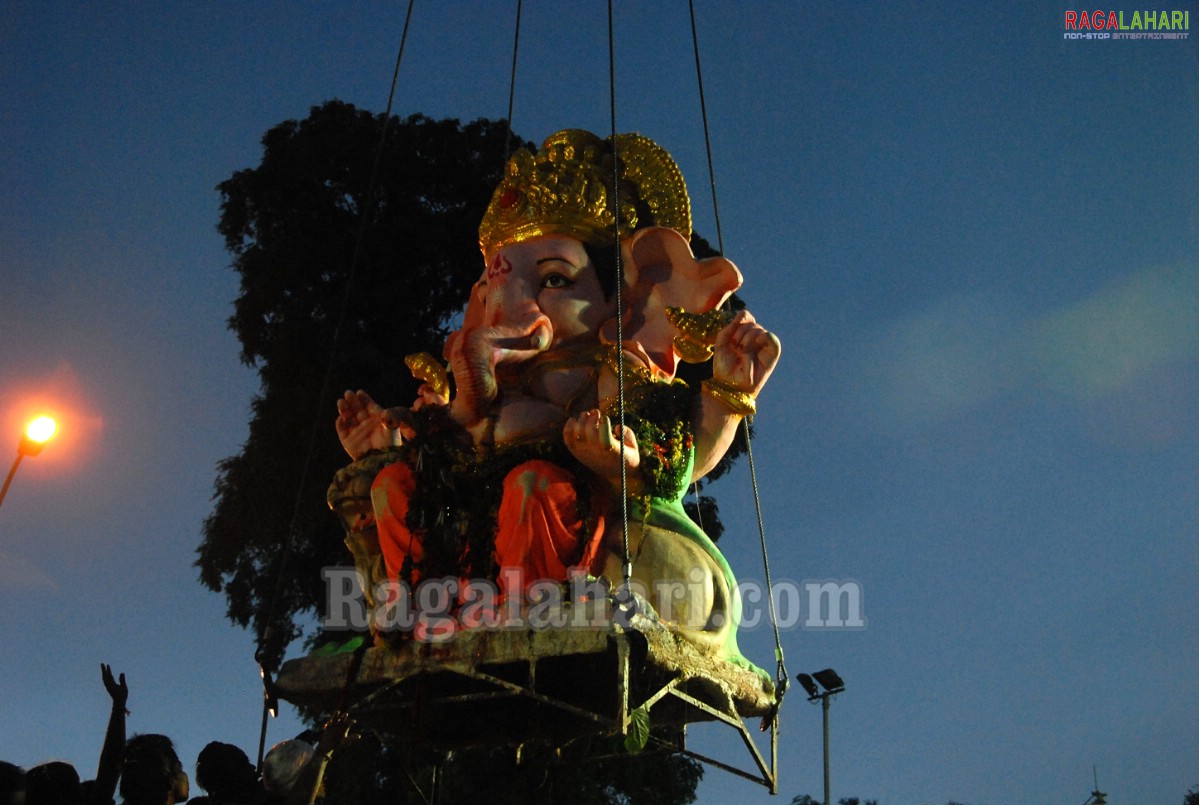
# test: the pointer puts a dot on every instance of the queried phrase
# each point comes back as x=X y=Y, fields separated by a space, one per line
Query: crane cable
x=512 y=87
x=781 y=677
x=627 y=566
x=261 y=657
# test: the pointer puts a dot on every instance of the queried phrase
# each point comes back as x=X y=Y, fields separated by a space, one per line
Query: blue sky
x=978 y=242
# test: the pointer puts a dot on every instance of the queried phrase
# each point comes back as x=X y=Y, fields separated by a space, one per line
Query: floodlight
x=808 y=685
x=829 y=680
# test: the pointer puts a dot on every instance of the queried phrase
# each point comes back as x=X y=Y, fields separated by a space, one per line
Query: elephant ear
x=661 y=271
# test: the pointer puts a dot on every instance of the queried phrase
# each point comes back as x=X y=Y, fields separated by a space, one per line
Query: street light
x=36 y=434
x=832 y=684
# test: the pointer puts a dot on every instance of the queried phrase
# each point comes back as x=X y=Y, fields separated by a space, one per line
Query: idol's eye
x=556 y=280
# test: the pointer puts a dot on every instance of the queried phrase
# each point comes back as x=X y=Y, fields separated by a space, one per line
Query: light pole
x=1097 y=796
x=832 y=684
x=37 y=433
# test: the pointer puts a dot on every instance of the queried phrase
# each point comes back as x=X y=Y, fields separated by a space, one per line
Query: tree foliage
x=301 y=230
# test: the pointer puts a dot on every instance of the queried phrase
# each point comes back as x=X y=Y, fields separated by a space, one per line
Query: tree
x=1192 y=797
x=302 y=230
x=293 y=226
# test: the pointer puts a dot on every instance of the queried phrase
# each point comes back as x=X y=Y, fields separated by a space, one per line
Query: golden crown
x=566 y=189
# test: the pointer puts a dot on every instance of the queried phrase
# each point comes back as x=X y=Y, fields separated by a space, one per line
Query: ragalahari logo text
x=1102 y=25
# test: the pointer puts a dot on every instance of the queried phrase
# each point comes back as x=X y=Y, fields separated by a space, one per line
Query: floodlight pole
x=832 y=684
x=824 y=706
x=11 y=472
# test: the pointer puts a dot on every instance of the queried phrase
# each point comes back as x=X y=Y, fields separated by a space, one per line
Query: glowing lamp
x=37 y=433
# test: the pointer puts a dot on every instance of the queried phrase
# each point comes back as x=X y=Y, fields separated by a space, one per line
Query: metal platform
x=511 y=685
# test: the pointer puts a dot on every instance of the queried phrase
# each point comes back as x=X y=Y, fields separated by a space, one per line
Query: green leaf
x=638 y=734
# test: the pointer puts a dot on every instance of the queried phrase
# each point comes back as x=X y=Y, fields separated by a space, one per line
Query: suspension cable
x=627 y=567
x=289 y=546
x=781 y=676
x=781 y=667
x=703 y=110
x=512 y=87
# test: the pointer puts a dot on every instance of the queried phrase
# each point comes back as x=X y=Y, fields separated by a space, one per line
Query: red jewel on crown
x=509 y=198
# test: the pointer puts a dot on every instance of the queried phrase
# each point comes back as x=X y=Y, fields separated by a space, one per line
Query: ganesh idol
x=516 y=471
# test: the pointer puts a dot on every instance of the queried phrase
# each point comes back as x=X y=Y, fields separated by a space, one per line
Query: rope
x=627 y=569
x=781 y=670
x=699 y=511
x=512 y=87
x=703 y=110
x=289 y=546
x=781 y=677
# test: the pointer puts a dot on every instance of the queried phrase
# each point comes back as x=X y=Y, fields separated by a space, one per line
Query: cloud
x=19 y=574
x=949 y=357
x=963 y=351
x=1103 y=343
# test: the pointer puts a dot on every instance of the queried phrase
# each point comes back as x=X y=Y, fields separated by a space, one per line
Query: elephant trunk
x=525 y=343
x=519 y=329
x=481 y=353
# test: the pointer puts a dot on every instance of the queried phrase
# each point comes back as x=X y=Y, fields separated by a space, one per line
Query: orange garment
x=540 y=530
x=390 y=492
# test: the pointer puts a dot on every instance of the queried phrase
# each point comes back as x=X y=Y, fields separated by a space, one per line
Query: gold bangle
x=739 y=402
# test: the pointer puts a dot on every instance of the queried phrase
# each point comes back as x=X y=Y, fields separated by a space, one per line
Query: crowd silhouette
x=145 y=769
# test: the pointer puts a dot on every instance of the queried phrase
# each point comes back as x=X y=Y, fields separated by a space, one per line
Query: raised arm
x=108 y=773
x=744 y=356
